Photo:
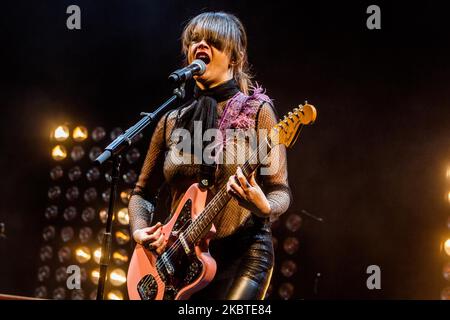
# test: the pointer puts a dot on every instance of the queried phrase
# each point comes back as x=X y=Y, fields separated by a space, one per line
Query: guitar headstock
x=287 y=130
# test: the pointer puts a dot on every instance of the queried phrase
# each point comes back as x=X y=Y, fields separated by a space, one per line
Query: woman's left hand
x=248 y=193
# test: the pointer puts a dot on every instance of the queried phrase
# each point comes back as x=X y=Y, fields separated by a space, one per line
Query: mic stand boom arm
x=114 y=150
x=124 y=140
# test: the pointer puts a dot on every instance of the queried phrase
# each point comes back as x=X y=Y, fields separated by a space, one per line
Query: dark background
x=373 y=166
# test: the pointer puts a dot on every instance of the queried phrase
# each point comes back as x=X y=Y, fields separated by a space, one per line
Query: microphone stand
x=114 y=151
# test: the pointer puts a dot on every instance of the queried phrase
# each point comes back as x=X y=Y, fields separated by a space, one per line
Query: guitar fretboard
x=219 y=201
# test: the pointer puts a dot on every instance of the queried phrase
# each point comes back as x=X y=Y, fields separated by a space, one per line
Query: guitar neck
x=218 y=202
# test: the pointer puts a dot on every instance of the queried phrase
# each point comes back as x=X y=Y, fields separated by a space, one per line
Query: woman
x=242 y=245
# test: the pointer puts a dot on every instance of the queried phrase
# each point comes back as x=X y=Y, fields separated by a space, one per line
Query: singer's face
x=217 y=63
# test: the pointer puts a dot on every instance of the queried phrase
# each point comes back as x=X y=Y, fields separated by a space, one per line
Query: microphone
x=197 y=67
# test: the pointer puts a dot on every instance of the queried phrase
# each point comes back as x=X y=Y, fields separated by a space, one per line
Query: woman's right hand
x=151 y=237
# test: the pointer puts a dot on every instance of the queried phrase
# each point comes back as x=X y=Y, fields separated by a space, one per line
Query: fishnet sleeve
x=273 y=173
x=151 y=177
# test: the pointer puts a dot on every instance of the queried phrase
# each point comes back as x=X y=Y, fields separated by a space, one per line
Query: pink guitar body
x=183 y=268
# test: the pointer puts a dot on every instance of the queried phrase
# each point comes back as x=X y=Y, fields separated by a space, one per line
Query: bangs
x=217 y=29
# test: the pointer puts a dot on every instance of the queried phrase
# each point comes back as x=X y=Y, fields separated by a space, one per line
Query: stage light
x=106 y=195
x=70 y=213
x=447 y=247
x=93 y=174
x=122 y=236
x=41 y=292
x=130 y=177
x=54 y=192
x=446 y=271
x=77 y=294
x=95 y=275
x=48 y=233
x=120 y=257
x=448 y=223
x=43 y=273
x=77 y=153
x=67 y=234
x=286 y=290
x=56 y=173
x=98 y=255
x=103 y=215
x=80 y=133
x=125 y=196
x=448 y=196
x=448 y=173
x=94 y=153
x=133 y=155
x=61 y=274
x=108 y=176
x=288 y=268
x=88 y=214
x=74 y=173
x=122 y=217
x=101 y=235
x=293 y=222
x=64 y=254
x=51 y=212
x=115 y=295
x=117 y=277
x=46 y=253
x=445 y=293
x=83 y=254
x=290 y=245
x=59 y=153
x=98 y=134
x=85 y=234
x=72 y=193
x=59 y=293
x=90 y=194
x=115 y=133
x=61 y=133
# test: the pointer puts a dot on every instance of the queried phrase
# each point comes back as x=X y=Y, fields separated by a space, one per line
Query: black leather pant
x=244 y=264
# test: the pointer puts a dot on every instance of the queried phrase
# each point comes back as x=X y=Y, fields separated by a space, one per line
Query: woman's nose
x=202 y=45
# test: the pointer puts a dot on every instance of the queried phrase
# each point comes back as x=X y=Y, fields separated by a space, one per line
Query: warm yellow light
x=448 y=196
x=83 y=254
x=120 y=257
x=103 y=215
x=448 y=173
x=95 y=275
x=118 y=277
x=115 y=295
x=61 y=133
x=97 y=255
x=125 y=196
x=447 y=246
x=123 y=217
x=59 y=153
x=80 y=133
x=122 y=236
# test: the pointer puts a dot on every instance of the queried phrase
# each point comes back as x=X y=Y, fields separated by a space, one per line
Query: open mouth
x=203 y=56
